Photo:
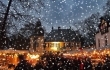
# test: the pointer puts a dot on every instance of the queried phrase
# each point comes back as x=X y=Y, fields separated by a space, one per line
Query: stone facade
x=37 y=43
x=37 y=39
x=102 y=40
x=103 y=35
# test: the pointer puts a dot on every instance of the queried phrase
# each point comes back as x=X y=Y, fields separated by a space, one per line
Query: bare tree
x=88 y=28
x=106 y=8
x=19 y=12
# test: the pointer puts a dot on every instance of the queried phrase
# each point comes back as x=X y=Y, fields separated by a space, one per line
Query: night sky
x=64 y=13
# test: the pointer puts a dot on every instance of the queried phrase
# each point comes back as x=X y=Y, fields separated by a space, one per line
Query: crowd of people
x=50 y=61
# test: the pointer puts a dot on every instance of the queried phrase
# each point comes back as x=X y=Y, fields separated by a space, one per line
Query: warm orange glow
x=55 y=42
x=66 y=54
x=54 y=48
x=94 y=52
x=34 y=56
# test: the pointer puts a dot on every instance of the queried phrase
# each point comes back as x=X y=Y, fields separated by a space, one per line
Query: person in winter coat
x=82 y=65
x=38 y=65
x=23 y=64
x=106 y=65
x=99 y=66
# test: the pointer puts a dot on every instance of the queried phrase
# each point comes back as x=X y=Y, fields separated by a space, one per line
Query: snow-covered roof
x=62 y=35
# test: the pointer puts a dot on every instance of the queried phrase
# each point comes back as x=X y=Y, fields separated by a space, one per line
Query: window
x=77 y=44
x=74 y=44
x=48 y=45
x=56 y=34
x=64 y=44
x=52 y=44
x=105 y=40
x=69 y=44
x=99 y=42
x=57 y=44
x=104 y=27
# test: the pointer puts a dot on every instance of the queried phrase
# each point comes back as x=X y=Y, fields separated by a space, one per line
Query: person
x=38 y=65
x=99 y=66
x=89 y=64
x=106 y=65
x=23 y=64
x=81 y=65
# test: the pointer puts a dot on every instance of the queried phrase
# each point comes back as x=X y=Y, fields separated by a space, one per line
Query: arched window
x=99 y=42
x=105 y=40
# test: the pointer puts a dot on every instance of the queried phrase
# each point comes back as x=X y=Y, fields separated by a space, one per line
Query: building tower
x=37 y=39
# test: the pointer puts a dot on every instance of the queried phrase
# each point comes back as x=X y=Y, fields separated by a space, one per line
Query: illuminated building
x=103 y=35
x=62 y=39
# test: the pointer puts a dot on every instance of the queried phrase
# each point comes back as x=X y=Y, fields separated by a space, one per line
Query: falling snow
x=39 y=25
